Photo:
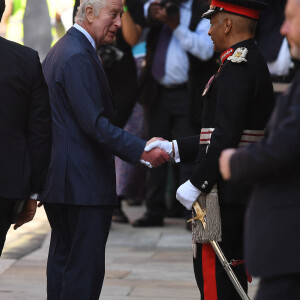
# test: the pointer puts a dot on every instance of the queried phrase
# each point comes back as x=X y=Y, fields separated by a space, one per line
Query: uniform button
x=203 y=186
x=205 y=182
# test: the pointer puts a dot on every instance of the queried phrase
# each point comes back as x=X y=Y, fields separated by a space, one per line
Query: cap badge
x=239 y=55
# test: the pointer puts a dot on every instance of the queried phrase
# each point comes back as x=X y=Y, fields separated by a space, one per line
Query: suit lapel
x=88 y=46
x=97 y=58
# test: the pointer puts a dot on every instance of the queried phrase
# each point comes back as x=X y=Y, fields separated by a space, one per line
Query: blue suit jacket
x=82 y=169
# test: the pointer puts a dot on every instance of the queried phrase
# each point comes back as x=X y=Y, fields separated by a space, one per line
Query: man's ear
x=227 y=25
x=89 y=12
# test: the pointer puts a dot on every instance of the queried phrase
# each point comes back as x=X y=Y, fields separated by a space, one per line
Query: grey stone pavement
x=141 y=264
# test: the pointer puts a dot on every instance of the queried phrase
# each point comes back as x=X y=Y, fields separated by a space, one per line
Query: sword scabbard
x=200 y=214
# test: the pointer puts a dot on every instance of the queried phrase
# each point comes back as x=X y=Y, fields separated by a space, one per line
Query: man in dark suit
x=25 y=133
x=272 y=223
x=80 y=189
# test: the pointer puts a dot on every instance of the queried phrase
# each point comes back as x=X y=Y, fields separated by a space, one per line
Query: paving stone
x=167 y=293
x=178 y=241
x=141 y=264
x=5 y=264
x=116 y=290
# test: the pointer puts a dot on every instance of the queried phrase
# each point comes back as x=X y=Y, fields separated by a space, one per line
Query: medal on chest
x=207 y=87
x=237 y=56
x=223 y=57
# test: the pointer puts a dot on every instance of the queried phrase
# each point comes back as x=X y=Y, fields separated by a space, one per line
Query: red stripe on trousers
x=209 y=273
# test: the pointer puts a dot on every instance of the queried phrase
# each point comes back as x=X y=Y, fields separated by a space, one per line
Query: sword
x=201 y=215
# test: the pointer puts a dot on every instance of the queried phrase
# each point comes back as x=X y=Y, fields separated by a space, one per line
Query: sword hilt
x=200 y=214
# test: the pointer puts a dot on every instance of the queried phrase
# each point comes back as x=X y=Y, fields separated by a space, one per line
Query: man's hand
x=158 y=13
x=187 y=194
x=27 y=213
x=224 y=163
x=154 y=158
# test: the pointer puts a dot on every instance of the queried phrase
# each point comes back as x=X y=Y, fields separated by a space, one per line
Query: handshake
x=157 y=152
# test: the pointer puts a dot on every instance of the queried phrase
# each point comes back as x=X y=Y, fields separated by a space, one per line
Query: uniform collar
x=227 y=53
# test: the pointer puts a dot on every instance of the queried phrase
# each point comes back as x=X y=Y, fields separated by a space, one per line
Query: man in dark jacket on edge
x=272 y=223
x=25 y=133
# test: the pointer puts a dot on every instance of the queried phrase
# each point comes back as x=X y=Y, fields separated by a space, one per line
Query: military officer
x=238 y=103
x=272 y=243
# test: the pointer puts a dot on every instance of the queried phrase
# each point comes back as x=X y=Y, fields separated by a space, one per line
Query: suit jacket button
x=203 y=186
x=205 y=182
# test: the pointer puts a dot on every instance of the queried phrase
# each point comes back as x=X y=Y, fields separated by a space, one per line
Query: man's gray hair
x=241 y=23
x=96 y=4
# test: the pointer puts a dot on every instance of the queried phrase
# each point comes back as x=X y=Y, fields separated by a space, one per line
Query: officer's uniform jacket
x=238 y=102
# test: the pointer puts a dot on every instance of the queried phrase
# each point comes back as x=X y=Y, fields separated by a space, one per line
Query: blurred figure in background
x=35 y=23
x=5 y=16
x=274 y=46
x=179 y=53
x=122 y=77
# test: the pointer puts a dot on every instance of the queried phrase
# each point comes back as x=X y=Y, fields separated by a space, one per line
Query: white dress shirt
x=87 y=35
x=183 y=40
x=281 y=66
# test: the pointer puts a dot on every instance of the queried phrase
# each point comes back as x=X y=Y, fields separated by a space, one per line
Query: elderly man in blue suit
x=80 y=189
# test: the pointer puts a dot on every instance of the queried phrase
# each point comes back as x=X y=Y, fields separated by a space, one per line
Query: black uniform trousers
x=168 y=118
x=6 y=216
x=212 y=279
x=76 y=260
x=279 y=288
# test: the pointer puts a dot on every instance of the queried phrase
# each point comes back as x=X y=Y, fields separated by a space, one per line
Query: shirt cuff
x=34 y=196
x=176 y=155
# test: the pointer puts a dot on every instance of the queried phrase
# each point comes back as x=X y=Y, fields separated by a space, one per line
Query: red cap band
x=240 y=10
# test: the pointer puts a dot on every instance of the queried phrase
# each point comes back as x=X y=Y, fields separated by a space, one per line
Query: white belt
x=205 y=135
x=248 y=136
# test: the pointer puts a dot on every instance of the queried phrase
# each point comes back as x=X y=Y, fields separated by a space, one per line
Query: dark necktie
x=159 y=60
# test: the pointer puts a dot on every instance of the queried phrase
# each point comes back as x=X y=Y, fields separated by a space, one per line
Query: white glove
x=163 y=145
x=187 y=194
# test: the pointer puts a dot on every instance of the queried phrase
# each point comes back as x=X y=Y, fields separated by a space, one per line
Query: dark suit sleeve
x=39 y=133
x=188 y=148
x=89 y=109
x=231 y=111
x=274 y=155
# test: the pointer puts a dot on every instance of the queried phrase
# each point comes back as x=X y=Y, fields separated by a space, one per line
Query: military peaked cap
x=245 y=8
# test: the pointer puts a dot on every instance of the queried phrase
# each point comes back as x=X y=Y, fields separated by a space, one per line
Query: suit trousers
x=168 y=118
x=286 y=287
x=6 y=216
x=76 y=260
x=212 y=279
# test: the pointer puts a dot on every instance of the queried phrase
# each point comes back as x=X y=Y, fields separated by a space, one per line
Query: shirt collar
x=187 y=4
x=87 y=35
